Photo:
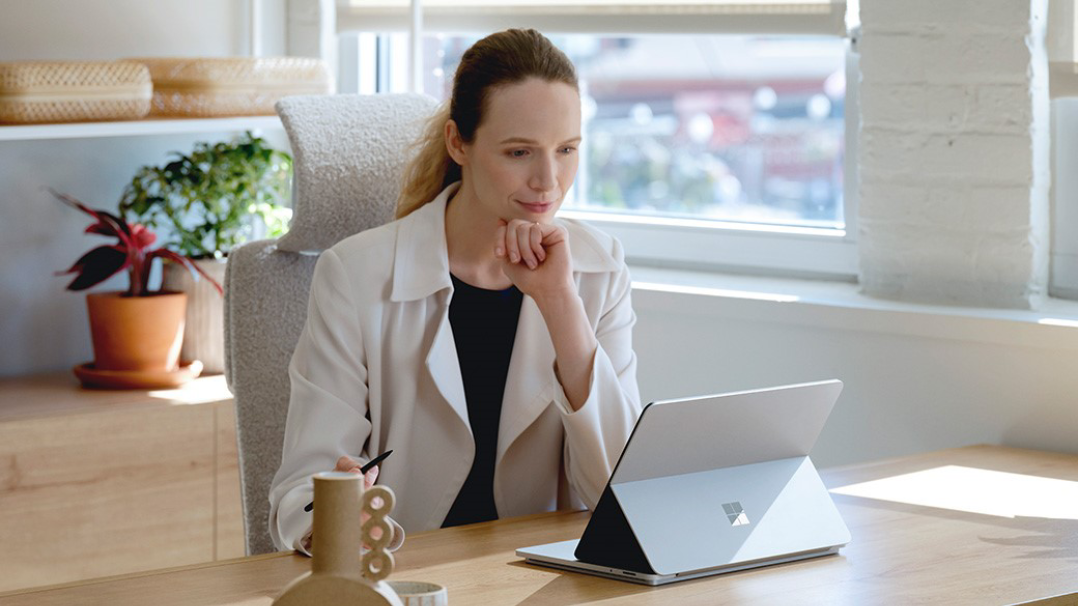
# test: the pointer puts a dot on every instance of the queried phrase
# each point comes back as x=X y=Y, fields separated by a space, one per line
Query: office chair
x=349 y=153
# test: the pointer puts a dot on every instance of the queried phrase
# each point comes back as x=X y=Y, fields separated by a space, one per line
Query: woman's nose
x=544 y=177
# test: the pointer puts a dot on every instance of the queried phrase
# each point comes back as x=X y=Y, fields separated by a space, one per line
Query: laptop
x=709 y=485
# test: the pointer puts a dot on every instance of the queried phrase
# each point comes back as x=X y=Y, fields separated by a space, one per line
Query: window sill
x=714 y=245
x=841 y=306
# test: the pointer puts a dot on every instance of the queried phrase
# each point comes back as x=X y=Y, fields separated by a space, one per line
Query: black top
x=484 y=326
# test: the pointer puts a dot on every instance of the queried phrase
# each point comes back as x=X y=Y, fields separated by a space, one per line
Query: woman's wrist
x=556 y=300
x=574 y=342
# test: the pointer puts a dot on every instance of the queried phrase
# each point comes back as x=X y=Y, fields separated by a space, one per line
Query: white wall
x=916 y=378
x=113 y=29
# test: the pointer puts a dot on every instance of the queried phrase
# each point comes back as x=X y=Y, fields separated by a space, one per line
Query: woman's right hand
x=348 y=464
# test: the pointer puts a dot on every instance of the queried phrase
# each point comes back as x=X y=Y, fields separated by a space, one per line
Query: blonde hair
x=501 y=59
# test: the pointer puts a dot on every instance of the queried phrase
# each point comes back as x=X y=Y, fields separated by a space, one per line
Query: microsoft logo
x=735 y=513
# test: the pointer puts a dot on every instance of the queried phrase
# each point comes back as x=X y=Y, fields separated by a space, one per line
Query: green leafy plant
x=212 y=199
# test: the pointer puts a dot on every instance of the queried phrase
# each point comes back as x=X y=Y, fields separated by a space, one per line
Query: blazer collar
x=421 y=266
x=422 y=258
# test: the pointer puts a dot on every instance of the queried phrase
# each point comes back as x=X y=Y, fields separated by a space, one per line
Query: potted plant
x=136 y=332
x=204 y=204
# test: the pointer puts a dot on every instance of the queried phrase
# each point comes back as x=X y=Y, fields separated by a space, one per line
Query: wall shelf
x=130 y=128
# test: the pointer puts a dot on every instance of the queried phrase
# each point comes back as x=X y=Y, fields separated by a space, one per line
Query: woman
x=483 y=341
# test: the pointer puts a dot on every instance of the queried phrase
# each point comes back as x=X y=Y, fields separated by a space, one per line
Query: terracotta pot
x=204 y=335
x=136 y=333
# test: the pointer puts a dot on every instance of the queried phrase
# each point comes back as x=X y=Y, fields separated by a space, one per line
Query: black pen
x=363 y=470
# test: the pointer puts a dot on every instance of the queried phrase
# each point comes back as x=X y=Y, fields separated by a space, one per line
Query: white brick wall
x=954 y=151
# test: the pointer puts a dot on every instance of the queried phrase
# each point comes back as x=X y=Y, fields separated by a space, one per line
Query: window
x=1064 y=263
x=1063 y=57
x=715 y=149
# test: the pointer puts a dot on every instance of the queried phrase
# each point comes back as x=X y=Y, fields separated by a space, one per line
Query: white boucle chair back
x=349 y=154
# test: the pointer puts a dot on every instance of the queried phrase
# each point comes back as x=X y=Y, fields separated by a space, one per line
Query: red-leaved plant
x=128 y=253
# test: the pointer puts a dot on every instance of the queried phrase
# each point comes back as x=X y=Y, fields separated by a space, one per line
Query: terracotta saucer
x=136 y=379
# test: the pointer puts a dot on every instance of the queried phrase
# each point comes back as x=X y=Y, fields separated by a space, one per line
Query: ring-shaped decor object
x=377 y=516
x=388 y=500
x=383 y=540
x=377 y=565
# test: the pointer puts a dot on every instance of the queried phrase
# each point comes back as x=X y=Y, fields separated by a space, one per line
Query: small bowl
x=420 y=593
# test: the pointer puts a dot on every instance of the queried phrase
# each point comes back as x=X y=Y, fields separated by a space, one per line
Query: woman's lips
x=536 y=207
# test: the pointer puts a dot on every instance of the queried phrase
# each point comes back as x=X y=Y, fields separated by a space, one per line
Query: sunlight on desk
x=199 y=391
x=1058 y=322
x=983 y=491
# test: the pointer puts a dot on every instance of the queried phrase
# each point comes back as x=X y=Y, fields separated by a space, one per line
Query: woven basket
x=73 y=91
x=239 y=86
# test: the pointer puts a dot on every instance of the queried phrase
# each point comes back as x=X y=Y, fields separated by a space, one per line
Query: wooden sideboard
x=96 y=482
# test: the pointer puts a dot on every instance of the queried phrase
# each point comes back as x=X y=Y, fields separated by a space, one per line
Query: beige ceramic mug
x=419 y=593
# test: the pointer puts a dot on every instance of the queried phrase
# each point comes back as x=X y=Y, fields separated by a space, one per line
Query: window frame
x=1063 y=249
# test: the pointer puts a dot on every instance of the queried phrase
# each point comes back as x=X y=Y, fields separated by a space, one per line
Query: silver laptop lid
x=674 y=437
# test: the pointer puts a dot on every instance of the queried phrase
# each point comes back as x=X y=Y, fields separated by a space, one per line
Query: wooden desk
x=900 y=554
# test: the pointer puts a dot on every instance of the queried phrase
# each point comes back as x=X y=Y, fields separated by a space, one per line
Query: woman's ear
x=454 y=144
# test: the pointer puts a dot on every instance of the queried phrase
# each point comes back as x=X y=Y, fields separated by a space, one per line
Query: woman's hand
x=348 y=464
x=536 y=258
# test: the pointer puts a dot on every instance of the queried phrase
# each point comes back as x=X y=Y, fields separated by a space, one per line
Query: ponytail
x=431 y=170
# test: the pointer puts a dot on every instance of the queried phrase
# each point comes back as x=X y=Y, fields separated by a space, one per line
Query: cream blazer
x=376 y=369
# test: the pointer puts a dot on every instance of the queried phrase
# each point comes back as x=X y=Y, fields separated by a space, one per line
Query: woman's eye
x=520 y=153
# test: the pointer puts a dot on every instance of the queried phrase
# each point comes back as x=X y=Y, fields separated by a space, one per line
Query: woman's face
x=524 y=155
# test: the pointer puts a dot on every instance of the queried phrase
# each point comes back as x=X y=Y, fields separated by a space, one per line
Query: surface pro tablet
x=709 y=485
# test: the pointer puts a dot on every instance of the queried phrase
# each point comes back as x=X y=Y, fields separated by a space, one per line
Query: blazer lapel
x=444 y=366
x=421 y=278
x=530 y=381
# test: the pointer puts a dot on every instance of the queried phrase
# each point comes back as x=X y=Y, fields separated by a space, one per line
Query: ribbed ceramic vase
x=337 y=568
x=204 y=337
